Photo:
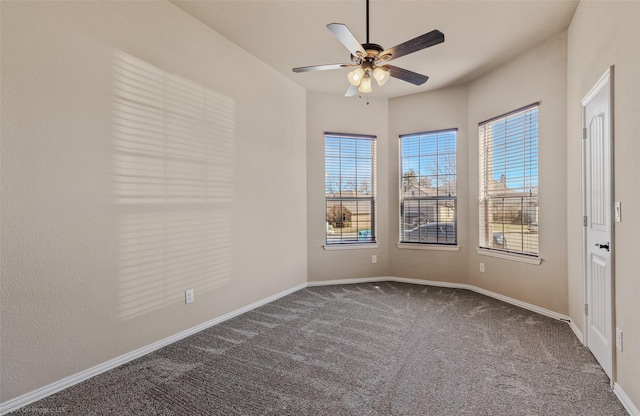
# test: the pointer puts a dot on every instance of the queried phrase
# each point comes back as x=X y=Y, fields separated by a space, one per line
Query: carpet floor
x=360 y=349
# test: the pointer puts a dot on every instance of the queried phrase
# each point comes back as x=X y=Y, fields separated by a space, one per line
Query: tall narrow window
x=350 y=184
x=509 y=182
x=428 y=187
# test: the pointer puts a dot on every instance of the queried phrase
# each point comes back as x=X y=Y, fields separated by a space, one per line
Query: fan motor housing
x=372 y=47
x=372 y=50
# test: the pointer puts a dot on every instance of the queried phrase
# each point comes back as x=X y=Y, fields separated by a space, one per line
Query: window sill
x=352 y=246
x=428 y=247
x=510 y=256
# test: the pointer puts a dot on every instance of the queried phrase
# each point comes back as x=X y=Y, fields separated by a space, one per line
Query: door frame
x=606 y=77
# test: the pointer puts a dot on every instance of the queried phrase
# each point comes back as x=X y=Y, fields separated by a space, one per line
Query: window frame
x=527 y=139
x=438 y=176
x=367 y=239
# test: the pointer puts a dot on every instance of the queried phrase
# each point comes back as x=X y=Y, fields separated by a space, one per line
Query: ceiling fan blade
x=320 y=67
x=344 y=35
x=351 y=91
x=406 y=75
x=421 y=42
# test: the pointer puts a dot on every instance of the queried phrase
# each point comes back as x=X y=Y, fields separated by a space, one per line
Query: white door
x=597 y=184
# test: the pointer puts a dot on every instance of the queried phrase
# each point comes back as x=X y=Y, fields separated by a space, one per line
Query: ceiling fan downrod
x=367 y=21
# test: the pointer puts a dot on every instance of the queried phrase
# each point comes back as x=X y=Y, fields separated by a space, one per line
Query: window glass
x=509 y=182
x=428 y=187
x=350 y=176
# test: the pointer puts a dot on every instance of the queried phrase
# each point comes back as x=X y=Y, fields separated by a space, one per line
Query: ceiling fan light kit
x=370 y=59
x=382 y=75
x=365 y=85
x=355 y=76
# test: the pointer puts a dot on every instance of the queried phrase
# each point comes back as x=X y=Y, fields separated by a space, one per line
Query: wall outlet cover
x=619 y=339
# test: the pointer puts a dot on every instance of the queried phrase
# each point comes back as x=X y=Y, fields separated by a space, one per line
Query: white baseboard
x=349 y=281
x=389 y=279
x=577 y=331
x=507 y=299
x=625 y=400
x=57 y=386
x=41 y=393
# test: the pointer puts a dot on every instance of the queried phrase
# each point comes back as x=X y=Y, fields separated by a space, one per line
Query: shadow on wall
x=173 y=148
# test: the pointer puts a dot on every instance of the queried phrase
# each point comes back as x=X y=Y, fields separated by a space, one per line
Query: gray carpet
x=362 y=349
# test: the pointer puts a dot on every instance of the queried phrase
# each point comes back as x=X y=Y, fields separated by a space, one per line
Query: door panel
x=597 y=177
x=599 y=294
x=598 y=228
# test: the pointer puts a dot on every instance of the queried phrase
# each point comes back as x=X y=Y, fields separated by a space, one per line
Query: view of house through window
x=350 y=175
x=509 y=182
x=428 y=187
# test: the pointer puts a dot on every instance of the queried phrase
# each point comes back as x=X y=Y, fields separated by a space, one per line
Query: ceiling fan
x=370 y=59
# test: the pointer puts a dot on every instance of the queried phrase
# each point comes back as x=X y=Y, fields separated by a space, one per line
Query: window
x=428 y=187
x=509 y=182
x=350 y=184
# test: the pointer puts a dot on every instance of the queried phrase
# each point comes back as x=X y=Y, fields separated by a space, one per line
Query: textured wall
x=117 y=194
x=603 y=34
x=142 y=155
x=435 y=110
x=329 y=113
x=537 y=75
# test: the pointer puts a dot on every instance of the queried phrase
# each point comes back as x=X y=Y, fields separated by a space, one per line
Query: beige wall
x=331 y=113
x=99 y=227
x=603 y=34
x=111 y=209
x=537 y=75
x=435 y=110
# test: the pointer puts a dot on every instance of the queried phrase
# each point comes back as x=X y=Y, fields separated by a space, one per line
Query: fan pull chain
x=366 y=96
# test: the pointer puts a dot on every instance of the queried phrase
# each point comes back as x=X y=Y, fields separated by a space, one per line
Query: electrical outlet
x=374 y=259
x=619 y=339
x=481 y=267
x=188 y=296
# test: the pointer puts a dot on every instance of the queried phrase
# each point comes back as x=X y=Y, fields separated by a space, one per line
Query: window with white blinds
x=428 y=187
x=350 y=184
x=509 y=182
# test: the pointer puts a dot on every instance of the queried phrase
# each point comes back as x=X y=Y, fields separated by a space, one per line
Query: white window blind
x=509 y=182
x=428 y=187
x=350 y=184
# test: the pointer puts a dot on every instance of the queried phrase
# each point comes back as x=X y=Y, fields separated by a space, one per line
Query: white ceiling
x=479 y=35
